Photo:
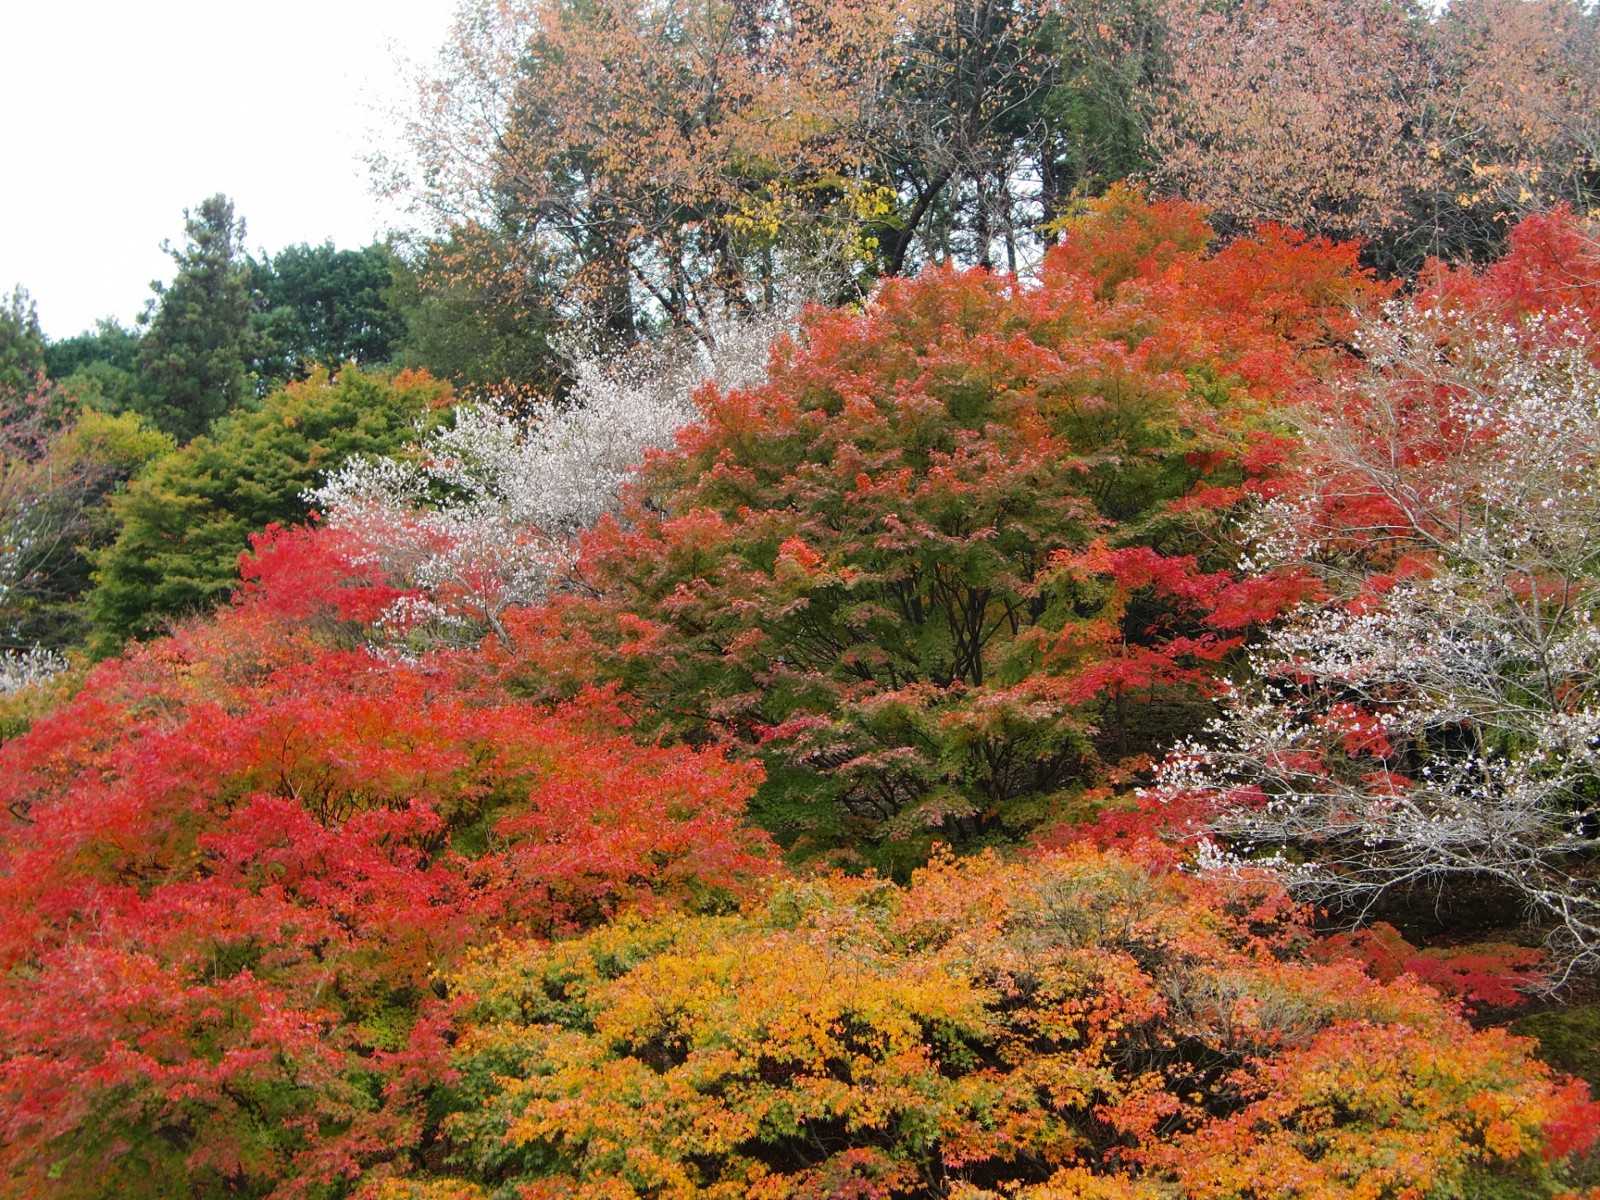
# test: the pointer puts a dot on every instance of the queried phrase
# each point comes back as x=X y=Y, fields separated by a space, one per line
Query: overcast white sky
x=119 y=114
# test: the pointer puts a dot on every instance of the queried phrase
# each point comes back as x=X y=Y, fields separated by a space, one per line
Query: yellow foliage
x=1078 y=1025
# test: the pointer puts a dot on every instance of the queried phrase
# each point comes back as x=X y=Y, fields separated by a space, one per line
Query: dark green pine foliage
x=196 y=355
x=323 y=307
x=185 y=520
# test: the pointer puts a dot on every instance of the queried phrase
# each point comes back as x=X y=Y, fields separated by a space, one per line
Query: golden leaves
x=1069 y=1026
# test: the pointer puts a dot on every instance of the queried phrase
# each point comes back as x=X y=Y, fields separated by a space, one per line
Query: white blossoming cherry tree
x=1436 y=720
x=482 y=514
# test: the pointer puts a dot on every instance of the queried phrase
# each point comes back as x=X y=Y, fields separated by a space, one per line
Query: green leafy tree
x=185 y=520
x=196 y=355
x=99 y=365
x=321 y=306
x=21 y=343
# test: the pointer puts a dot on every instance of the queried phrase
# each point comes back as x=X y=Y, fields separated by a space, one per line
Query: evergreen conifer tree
x=194 y=357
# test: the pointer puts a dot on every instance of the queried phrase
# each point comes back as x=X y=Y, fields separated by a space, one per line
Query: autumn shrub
x=1484 y=975
x=235 y=861
x=1076 y=1025
x=963 y=556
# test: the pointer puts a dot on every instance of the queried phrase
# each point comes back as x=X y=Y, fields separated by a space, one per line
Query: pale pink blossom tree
x=1437 y=720
x=482 y=514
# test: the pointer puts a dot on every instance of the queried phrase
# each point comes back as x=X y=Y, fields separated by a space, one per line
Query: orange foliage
x=1073 y=1026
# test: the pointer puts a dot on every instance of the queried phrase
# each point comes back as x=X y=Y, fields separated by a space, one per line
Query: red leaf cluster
x=244 y=856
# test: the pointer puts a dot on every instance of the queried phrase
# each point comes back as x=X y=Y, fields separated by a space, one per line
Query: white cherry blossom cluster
x=1446 y=726
x=482 y=514
x=22 y=669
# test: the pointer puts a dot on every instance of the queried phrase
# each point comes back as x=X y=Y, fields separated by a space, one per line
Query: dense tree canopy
x=952 y=133
x=1423 y=131
x=182 y=524
x=745 y=156
x=100 y=365
x=1103 y=706
x=317 y=306
x=300 y=903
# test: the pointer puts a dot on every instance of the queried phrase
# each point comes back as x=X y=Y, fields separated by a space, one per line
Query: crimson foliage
x=239 y=857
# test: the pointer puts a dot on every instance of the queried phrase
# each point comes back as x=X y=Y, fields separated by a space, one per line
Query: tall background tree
x=491 y=330
x=742 y=154
x=195 y=357
x=745 y=156
x=655 y=161
x=318 y=306
x=992 y=115
x=1525 y=105
x=101 y=365
x=1421 y=130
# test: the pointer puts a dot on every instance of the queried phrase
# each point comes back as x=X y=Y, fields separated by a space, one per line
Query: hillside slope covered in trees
x=990 y=601
x=350 y=890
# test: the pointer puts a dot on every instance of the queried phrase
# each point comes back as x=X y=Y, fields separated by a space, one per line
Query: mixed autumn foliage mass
x=982 y=601
x=764 y=824
x=963 y=555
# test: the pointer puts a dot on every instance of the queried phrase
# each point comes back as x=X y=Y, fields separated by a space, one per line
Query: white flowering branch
x=22 y=669
x=1446 y=725
x=482 y=515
